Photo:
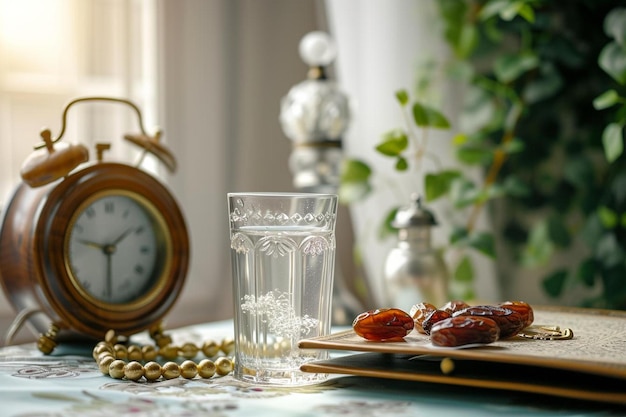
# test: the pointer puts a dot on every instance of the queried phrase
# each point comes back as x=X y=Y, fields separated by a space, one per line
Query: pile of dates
x=454 y=324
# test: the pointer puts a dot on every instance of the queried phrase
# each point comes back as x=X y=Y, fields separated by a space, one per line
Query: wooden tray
x=591 y=365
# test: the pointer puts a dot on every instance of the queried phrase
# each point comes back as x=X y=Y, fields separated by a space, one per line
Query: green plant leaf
x=464 y=271
x=553 y=284
x=425 y=116
x=468 y=294
x=479 y=109
x=495 y=8
x=612 y=60
x=460 y=33
x=587 y=272
x=453 y=13
x=606 y=100
x=458 y=234
x=484 y=243
x=622 y=220
x=351 y=192
x=539 y=248
x=464 y=193
x=557 y=231
x=507 y=10
x=609 y=252
x=613 y=141
x=474 y=155
x=564 y=50
x=354 y=184
x=527 y=12
x=515 y=187
x=514 y=146
x=459 y=139
x=394 y=143
x=516 y=8
x=592 y=230
x=608 y=217
x=492 y=31
x=509 y=67
x=614 y=291
x=579 y=171
x=355 y=171
x=403 y=97
x=617 y=188
x=401 y=164
x=460 y=71
x=615 y=25
x=386 y=230
x=513 y=115
x=438 y=184
x=493 y=191
x=467 y=41
x=546 y=85
x=426 y=74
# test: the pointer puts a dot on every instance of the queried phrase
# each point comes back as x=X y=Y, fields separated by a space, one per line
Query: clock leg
x=47 y=342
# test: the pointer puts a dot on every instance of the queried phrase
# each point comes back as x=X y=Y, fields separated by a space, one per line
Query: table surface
x=68 y=383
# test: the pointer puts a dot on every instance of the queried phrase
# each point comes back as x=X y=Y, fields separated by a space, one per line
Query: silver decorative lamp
x=314 y=115
x=415 y=271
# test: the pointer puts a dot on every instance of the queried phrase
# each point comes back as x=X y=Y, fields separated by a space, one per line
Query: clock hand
x=122 y=236
x=92 y=244
x=109 y=247
x=109 y=250
x=109 y=283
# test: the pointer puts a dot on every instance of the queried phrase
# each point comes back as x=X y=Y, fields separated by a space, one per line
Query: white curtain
x=381 y=45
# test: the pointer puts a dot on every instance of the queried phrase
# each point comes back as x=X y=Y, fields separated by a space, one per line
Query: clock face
x=115 y=247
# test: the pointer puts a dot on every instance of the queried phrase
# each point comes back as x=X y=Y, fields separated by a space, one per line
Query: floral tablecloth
x=68 y=383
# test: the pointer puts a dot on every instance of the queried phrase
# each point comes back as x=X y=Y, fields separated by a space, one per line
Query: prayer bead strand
x=134 y=362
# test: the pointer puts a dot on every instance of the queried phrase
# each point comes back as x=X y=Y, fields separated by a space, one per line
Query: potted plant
x=544 y=115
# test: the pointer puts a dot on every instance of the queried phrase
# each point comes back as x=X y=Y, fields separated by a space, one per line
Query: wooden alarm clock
x=89 y=246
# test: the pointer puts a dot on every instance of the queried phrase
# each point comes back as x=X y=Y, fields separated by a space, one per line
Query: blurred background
x=211 y=74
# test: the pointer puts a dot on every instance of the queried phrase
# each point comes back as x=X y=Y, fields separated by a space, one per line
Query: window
x=55 y=50
x=52 y=51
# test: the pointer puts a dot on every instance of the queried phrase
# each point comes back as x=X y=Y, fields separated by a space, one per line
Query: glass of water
x=283 y=263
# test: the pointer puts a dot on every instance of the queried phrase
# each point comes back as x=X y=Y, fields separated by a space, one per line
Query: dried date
x=454 y=306
x=384 y=324
x=509 y=321
x=419 y=312
x=523 y=308
x=433 y=318
x=464 y=330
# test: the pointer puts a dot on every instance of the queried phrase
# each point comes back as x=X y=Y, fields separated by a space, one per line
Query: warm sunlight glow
x=31 y=32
